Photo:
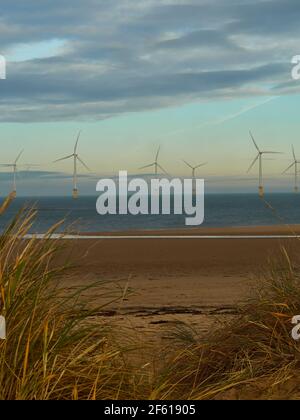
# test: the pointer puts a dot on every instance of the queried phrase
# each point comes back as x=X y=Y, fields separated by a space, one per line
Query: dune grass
x=52 y=350
x=57 y=348
x=252 y=356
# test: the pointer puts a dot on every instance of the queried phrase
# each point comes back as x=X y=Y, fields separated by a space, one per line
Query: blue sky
x=193 y=76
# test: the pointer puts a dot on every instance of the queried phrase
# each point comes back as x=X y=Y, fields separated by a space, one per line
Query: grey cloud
x=276 y=17
x=127 y=56
x=45 y=86
x=197 y=39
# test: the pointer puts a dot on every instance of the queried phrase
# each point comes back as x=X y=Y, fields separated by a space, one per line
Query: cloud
x=209 y=38
x=120 y=57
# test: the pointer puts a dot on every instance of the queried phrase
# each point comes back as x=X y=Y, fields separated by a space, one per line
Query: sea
x=221 y=210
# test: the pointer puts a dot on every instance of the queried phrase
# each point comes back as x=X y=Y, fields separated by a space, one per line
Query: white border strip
x=120 y=237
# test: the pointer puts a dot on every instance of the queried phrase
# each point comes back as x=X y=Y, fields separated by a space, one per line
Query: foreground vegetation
x=253 y=356
x=51 y=351
x=54 y=351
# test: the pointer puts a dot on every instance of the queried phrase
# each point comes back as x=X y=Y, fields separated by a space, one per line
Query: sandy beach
x=164 y=281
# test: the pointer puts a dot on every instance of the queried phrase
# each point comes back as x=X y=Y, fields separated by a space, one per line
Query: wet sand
x=163 y=281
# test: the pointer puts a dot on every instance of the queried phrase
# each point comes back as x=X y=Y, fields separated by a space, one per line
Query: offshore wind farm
x=159 y=171
x=221 y=210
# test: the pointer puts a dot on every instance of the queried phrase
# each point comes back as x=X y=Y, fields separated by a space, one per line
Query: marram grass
x=252 y=356
x=52 y=351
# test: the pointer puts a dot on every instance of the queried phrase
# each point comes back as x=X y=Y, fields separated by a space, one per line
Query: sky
x=193 y=76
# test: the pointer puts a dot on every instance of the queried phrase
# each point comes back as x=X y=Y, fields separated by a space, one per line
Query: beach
x=162 y=281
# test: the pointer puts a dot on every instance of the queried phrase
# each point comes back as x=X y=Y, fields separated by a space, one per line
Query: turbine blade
x=157 y=154
x=253 y=163
x=161 y=168
x=294 y=154
x=147 y=166
x=82 y=162
x=6 y=165
x=190 y=166
x=272 y=153
x=201 y=164
x=19 y=155
x=255 y=144
x=291 y=166
x=64 y=158
x=77 y=141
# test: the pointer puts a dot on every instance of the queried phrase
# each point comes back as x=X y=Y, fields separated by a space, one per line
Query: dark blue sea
x=221 y=210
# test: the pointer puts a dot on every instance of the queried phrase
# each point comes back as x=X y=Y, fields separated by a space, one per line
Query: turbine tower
x=14 y=167
x=194 y=168
x=259 y=158
x=155 y=164
x=76 y=158
x=295 y=165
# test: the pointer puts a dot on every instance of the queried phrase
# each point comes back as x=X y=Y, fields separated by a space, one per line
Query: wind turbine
x=259 y=158
x=194 y=168
x=14 y=167
x=155 y=164
x=294 y=164
x=76 y=159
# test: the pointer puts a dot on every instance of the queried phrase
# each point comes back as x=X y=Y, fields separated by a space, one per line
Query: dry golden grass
x=253 y=356
x=52 y=350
